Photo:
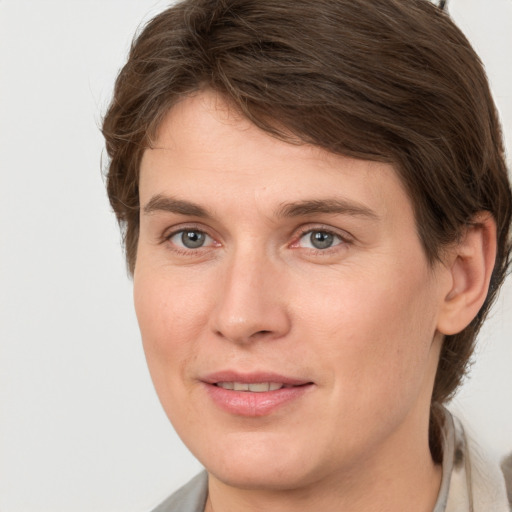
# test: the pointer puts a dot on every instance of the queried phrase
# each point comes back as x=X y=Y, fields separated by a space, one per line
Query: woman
x=317 y=218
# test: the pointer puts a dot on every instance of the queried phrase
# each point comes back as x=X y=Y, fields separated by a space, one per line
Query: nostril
x=260 y=333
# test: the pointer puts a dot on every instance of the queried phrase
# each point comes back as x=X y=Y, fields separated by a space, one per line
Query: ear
x=470 y=263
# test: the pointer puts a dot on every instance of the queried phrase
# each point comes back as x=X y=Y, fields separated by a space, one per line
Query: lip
x=253 y=404
x=252 y=378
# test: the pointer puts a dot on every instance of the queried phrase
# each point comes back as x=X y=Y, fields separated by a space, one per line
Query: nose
x=251 y=301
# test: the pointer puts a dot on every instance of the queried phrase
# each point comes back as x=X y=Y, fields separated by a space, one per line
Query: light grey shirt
x=189 y=498
x=470 y=483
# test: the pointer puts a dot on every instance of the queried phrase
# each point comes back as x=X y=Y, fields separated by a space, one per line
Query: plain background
x=80 y=426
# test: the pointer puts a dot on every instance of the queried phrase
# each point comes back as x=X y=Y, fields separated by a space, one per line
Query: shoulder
x=189 y=498
x=475 y=481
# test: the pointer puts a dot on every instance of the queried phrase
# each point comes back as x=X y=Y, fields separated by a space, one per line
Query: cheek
x=374 y=336
x=170 y=318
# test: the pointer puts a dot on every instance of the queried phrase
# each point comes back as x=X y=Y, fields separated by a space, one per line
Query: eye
x=319 y=239
x=190 y=239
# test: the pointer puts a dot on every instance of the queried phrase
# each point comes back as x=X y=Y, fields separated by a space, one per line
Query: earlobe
x=471 y=262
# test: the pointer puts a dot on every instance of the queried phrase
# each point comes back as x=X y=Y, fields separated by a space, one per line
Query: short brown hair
x=385 y=80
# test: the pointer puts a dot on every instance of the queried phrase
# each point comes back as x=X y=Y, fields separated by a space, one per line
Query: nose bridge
x=249 y=304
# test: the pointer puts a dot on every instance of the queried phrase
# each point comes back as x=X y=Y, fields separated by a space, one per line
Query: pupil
x=192 y=239
x=321 y=239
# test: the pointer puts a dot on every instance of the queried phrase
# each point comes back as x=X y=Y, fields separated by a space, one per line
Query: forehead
x=204 y=149
x=215 y=129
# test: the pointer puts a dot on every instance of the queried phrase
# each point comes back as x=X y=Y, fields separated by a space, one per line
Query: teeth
x=256 y=387
x=259 y=387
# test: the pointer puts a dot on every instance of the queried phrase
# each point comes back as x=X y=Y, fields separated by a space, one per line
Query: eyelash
x=344 y=240
x=182 y=251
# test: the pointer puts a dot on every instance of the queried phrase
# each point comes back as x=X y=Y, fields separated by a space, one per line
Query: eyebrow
x=170 y=204
x=328 y=206
x=292 y=209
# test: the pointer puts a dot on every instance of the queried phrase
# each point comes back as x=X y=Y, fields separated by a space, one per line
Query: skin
x=363 y=320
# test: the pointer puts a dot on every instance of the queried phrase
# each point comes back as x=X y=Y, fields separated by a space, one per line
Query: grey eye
x=321 y=239
x=190 y=239
x=193 y=239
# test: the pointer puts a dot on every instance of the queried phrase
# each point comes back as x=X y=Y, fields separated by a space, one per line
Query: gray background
x=80 y=426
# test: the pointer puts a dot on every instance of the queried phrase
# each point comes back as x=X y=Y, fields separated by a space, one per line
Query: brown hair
x=385 y=80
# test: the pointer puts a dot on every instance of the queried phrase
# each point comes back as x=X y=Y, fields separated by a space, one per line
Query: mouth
x=253 y=387
x=254 y=395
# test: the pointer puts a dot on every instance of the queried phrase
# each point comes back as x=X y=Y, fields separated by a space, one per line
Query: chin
x=249 y=463
x=268 y=477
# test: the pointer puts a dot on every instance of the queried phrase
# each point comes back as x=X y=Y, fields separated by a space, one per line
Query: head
x=392 y=82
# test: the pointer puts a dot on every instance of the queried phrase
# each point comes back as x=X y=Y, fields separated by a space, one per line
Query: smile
x=256 y=394
x=256 y=387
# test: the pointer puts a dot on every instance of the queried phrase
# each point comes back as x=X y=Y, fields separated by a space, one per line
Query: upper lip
x=252 y=378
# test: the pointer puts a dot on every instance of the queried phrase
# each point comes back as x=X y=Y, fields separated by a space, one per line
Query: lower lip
x=247 y=403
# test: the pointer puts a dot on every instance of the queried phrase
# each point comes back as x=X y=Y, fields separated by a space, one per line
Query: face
x=287 y=310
